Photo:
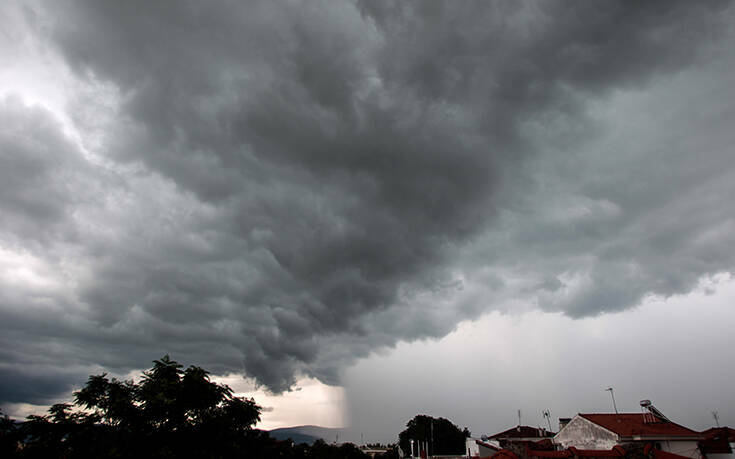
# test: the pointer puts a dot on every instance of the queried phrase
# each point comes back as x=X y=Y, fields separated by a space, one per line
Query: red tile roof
x=634 y=424
x=720 y=431
x=523 y=432
x=556 y=454
x=616 y=451
x=547 y=444
x=504 y=454
x=717 y=440
x=715 y=447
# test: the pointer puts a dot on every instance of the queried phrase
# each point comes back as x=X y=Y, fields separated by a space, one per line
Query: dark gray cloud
x=17 y=386
x=39 y=174
x=281 y=188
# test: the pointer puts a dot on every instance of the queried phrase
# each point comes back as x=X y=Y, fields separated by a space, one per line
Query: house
x=604 y=431
x=481 y=448
x=572 y=452
x=521 y=434
x=373 y=451
x=725 y=431
x=543 y=450
x=718 y=443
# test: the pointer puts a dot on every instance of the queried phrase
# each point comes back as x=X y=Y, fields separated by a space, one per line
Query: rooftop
x=523 y=432
x=720 y=432
x=639 y=424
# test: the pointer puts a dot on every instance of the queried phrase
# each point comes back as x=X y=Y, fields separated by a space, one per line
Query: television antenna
x=547 y=415
x=610 y=389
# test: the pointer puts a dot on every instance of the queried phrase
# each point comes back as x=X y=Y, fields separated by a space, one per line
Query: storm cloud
x=281 y=188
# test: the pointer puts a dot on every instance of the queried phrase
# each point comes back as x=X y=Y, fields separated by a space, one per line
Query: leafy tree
x=441 y=435
x=171 y=412
x=321 y=450
x=9 y=436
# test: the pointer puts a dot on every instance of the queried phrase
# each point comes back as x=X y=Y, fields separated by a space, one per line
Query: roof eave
x=660 y=437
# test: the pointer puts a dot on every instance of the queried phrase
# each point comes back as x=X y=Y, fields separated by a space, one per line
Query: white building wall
x=682 y=448
x=472 y=448
x=584 y=434
x=724 y=456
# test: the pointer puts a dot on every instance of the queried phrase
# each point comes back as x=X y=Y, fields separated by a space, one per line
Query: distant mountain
x=305 y=434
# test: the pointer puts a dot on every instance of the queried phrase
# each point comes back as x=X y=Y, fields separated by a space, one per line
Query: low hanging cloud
x=281 y=188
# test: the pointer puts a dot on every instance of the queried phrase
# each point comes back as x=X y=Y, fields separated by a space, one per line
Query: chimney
x=563 y=422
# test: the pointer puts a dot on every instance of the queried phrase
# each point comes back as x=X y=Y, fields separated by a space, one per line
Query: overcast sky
x=464 y=208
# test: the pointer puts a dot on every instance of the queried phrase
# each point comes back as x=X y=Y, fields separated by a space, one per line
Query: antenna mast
x=613 y=399
x=547 y=415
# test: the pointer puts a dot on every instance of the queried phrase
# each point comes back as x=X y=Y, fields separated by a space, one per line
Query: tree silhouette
x=9 y=436
x=170 y=413
x=439 y=434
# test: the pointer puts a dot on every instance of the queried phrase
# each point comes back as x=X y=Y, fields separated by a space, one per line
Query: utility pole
x=613 y=399
x=432 y=437
x=519 y=417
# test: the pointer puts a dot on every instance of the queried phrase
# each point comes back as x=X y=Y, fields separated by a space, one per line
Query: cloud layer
x=281 y=189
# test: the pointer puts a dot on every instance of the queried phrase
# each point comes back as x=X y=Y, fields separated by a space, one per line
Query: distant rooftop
x=523 y=432
x=720 y=431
